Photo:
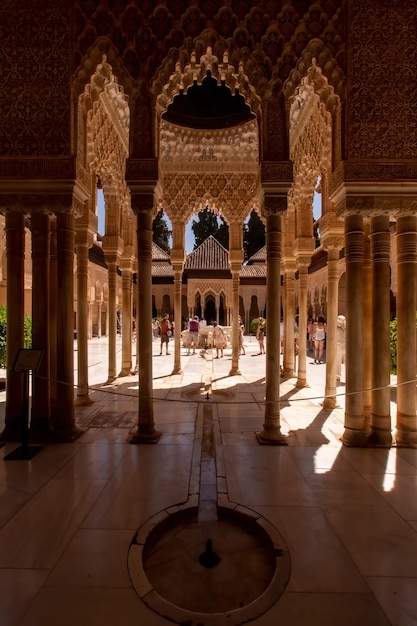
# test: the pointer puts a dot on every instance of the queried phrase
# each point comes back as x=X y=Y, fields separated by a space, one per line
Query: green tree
x=253 y=235
x=161 y=233
x=206 y=224
x=3 y=334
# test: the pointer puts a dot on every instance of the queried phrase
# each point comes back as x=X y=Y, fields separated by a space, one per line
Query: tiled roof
x=158 y=254
x=210 y=255
x=162 y=269
x=253 y=271
x=258 y=257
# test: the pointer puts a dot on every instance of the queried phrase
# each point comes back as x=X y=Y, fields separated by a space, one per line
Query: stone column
x=235 y=319
x=63 y=415
x=82 y=394
x=177 y=261
x=111 y=261
x=354 y=434
x=142 y=204
x=235 y=261
x=367 y=329
x=99 y=331
x=53 y=315
x=302 y=324
x=15 y=250
x=381 y=280
x=177 y=267
x=289 y=320
x=90 y=320
x=126 y=319
x=406 y=426
x=271 y=432
x=40 y=426
x=329 y=401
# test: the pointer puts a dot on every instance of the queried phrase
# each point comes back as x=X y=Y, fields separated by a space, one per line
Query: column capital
x=112 y=246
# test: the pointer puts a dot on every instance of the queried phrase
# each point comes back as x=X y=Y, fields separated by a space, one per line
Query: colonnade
x=53 y=245
x=368 y=278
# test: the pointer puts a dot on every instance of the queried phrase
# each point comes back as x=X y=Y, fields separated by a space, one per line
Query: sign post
x=26 y=360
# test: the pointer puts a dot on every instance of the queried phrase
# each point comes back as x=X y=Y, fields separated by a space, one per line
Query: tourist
x=319 y=339
x=166 y=332
x=219 y=339
x=193 y=327
x=241 y=335
x=260 y=335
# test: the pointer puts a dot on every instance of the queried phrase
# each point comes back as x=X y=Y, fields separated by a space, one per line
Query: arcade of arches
x=238 y=106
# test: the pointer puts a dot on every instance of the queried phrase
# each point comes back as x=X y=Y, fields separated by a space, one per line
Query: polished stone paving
x=347 y=515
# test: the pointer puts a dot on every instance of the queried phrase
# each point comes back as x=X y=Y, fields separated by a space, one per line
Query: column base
x=125 y=372
x=301 y=383
x=330 y=403
x=177 y=370
x=380 y=438
x=12 y=430
x=41 y=430
x=145 y=434
x=235 y=371
x=287 y=373
x=83 y=400
x=65 y=435
x=406 y=439
x=110 y=380
x=355 y=438
x=271 y=437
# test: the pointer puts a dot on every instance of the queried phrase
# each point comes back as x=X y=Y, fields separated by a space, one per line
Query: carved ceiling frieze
x=36 y=115
x=382 y=110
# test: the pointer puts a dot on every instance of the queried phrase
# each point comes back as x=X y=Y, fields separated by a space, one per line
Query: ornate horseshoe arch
x=311 y=141
x=219 y=167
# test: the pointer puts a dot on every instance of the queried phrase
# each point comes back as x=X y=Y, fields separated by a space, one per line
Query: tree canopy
x=161 y=232
x=253 y=235
x=206 y=224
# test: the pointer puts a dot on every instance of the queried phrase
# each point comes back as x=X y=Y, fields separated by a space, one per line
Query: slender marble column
x=112 y=317
x=53 y=315
x=15 y=250
x=178 y=267
x=367 y=329
x=329 y=401
x=289 y=321
x=406 y=426
x=126 y=322
x=82 y=394
x=142 y=204
x=41 y=410
x=177 y=261
x=354 y=434
x=63 y=418
x=235 y=270
x=99 y=331
x=271 y=433
x=381 y=280
x=302 y=325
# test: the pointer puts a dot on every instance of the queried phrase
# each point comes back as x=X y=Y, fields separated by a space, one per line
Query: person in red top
x=165 y=328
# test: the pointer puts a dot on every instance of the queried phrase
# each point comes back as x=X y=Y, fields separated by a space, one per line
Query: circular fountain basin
x=167 y=566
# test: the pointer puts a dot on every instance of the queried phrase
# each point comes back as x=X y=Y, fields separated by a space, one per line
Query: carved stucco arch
x=314 y=107
x=103 y=146
x=215 y=168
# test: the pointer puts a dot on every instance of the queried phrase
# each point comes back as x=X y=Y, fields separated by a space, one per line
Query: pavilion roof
x=161 y=262
x=210 y=255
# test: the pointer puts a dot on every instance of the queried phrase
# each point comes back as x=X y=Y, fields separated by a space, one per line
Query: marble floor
x=68 y=516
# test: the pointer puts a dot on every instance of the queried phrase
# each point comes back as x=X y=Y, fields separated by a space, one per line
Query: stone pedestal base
x=271 y=437
x=67 y=435
x=145 y=434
